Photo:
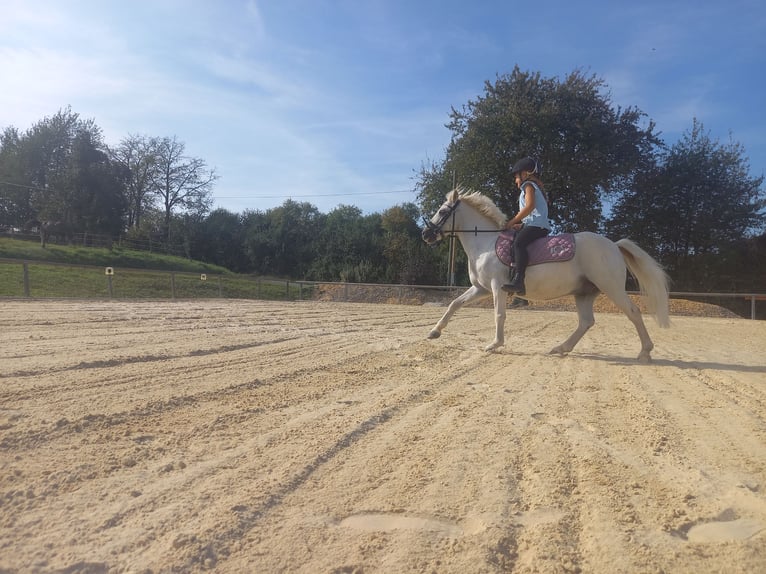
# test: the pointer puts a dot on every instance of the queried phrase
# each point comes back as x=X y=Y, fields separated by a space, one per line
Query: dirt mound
x=414 y=295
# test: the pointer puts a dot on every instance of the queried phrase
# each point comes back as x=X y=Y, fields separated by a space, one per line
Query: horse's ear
x=453 y=195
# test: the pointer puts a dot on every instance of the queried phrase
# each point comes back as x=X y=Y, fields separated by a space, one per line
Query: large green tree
x=587 y=148
x=220 y=239
x=408 y=259
x=95 y=189
x=63 y=179
x=346 y=247
x=15 y=208
x=283 y=241
x=691 y=205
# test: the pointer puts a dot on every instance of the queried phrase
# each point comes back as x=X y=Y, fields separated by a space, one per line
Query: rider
x=531 y=222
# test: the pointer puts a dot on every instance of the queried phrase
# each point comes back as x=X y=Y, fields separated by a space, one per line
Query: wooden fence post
x=25 y=267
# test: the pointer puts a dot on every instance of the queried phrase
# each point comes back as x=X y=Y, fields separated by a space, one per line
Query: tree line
x=692 y=204
x=59 y=178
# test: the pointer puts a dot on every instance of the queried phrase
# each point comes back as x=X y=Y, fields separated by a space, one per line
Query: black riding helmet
x=526 y=164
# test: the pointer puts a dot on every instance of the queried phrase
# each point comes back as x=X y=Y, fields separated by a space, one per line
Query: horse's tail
x=652 y=279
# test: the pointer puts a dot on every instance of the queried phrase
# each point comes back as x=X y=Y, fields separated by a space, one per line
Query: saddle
x=547 y=249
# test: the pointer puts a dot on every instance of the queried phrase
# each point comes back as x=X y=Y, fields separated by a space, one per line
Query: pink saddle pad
x=543 y=250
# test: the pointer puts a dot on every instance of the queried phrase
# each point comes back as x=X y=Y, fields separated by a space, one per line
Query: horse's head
x=432 y=232
x=479 y=213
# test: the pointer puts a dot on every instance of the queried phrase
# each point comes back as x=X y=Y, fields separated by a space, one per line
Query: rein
x=475 y=231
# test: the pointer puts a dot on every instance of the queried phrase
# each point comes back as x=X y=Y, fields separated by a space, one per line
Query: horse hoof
x=434 y=334
x=644 y=358
x=491 y=347
x=558 y=351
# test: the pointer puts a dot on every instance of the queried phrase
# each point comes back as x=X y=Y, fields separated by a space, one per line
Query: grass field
x=26 y=269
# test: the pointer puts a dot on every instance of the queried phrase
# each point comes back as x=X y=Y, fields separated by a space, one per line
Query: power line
x=32 y=187
x=283 y=195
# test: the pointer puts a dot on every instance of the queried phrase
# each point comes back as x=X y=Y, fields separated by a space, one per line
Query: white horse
x=598 y=265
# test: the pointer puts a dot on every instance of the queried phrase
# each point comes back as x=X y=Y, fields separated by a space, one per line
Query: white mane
x=480 y=203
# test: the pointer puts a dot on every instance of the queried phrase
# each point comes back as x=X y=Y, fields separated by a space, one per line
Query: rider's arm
x=529 y=206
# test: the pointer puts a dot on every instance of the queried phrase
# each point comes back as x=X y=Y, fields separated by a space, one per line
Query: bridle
x=435 y=229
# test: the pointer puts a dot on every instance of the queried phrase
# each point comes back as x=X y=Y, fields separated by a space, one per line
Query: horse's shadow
x=677 y=363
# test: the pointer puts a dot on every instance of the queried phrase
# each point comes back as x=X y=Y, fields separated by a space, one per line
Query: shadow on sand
x=695 y=365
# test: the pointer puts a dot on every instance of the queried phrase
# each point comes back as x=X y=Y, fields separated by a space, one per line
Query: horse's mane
x=481 y=203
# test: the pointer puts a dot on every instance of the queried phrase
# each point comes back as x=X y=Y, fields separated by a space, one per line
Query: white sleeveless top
x=539 y=215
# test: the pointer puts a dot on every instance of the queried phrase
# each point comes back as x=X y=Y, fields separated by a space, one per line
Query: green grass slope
x=26 y=269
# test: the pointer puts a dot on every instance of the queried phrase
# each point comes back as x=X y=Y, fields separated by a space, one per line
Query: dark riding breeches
x=524 y=237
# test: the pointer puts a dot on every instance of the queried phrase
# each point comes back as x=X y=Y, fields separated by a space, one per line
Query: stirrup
x=518 y=302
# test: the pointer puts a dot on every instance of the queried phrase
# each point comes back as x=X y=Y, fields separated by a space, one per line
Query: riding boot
x=517 y=284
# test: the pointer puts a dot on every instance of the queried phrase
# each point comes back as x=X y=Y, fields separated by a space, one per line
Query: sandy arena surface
x=318 y=437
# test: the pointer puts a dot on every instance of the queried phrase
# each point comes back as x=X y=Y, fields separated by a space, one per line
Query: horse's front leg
x=500 y=299
x=473 y=293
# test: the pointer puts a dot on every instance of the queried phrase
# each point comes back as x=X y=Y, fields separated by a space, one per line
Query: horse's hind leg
x=624 y=302
x=586 y=320
x=469 y=295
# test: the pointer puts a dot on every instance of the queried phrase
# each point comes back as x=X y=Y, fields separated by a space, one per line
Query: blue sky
x=341 y=102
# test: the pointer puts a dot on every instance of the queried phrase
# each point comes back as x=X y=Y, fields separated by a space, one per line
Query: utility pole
x=452 y=246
